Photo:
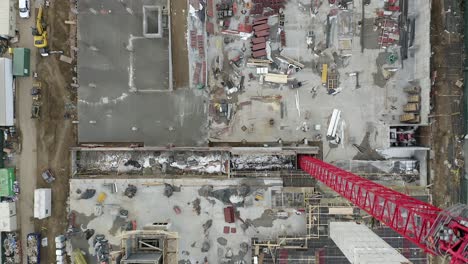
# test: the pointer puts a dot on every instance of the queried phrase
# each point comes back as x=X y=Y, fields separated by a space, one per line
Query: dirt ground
x=446 y=125
x=55 y=135
x=447 y=119
x=179 y=44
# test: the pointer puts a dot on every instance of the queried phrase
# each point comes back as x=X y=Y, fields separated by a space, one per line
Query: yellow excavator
x=40 y=33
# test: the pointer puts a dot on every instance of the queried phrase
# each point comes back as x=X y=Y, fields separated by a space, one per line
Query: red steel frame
x=417 y=221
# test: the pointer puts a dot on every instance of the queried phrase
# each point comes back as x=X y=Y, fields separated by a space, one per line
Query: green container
x=21 y=62
x=7 y=180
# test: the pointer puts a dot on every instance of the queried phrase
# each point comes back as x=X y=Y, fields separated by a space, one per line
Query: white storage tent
x=6 y=92
x=7 y=18
x=8 y=217
x=42 y=203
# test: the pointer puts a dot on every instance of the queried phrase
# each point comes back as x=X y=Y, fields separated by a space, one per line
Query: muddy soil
x=446 y=124
x=55 y=134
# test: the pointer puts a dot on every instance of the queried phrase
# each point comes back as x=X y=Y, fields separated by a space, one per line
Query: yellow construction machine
x=40 y=33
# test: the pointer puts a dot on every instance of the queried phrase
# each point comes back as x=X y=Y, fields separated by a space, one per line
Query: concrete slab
x=125 y=80
x=367 y=111
x=151 y=206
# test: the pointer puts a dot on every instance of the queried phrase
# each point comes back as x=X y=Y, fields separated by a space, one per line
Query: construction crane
x=439 y=232
x=40 y=33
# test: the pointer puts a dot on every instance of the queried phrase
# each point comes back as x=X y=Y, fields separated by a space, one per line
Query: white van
x=24 y=8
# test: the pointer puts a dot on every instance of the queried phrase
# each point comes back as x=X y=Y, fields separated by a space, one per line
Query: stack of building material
x=273 y=5
x=261 y=32
x=201 y=46
x=203 y=72
x=196 y=73
x=193 y=39
x=283 y=38
x=209 y=8
x=210 y=28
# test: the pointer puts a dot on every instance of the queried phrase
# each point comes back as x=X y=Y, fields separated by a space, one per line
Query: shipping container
x=229 y=214
x=21 y=62
x=7 y=182
x=260 y=46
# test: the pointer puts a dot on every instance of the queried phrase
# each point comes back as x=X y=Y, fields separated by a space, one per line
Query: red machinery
x=439 y=232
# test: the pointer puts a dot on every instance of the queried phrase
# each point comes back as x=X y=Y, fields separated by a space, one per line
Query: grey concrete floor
x=367 y=112
x=151 y=206
x=125 y=79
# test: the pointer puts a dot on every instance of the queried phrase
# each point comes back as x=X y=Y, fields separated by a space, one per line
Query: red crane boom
x=439 y=232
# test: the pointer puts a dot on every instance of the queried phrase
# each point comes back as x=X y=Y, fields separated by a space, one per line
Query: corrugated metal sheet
x=7 y=18
x=6 y=93
x=360 y=245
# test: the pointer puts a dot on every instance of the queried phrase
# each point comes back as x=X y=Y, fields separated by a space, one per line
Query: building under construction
x=210 y=171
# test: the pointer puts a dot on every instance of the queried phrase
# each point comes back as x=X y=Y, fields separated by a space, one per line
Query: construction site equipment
x=101 y=197
x=35 y=110
x=439 y=232
x=36 y=93
x=48 y=176
x=310 y=40
x=33 y=247
x=40 y=33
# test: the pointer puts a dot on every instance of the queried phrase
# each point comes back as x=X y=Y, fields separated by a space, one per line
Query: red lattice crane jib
x=439 y=232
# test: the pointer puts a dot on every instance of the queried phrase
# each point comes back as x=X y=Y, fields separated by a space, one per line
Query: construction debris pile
x=11 y=249
x=150 y=162
x=32 y=248
x=263 y=162
x=102 y=248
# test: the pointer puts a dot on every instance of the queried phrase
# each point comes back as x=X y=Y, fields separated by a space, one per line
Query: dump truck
x=33 y=247
x=411 y=107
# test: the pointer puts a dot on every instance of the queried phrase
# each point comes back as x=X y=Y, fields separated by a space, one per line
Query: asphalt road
x=26 y=165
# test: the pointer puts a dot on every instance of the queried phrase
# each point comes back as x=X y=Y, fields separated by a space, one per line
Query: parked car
x=48 y=176
x=24 y=8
